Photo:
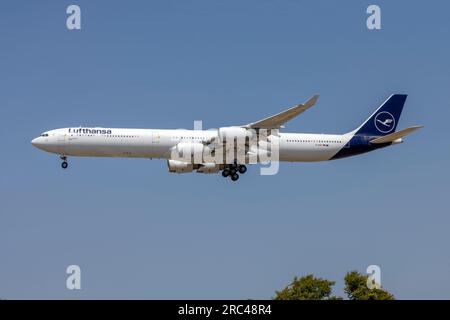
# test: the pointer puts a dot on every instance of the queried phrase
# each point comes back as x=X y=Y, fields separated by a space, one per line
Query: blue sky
x=137 y=231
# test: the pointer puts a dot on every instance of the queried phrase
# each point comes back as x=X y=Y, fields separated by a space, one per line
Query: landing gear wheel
x=64 y=164
x=242 y=169
x=225 y=173
x=234 y=177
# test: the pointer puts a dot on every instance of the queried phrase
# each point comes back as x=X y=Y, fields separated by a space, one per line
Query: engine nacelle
x=179 y=166
x=208 y=168
x=227 y=134
x=189 y=152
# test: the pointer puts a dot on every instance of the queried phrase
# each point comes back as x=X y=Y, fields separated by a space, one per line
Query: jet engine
x=179 y=166
x=227 y=134
x=188 y=152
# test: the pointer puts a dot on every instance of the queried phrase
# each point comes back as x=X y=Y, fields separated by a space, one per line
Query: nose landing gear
x=64 y=164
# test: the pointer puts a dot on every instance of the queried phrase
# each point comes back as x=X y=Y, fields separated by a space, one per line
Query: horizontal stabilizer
x=396 y=135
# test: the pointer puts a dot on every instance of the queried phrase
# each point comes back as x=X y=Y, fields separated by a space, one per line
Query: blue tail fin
x=385 y=119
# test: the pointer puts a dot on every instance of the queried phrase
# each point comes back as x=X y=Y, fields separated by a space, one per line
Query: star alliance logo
x=384 y=122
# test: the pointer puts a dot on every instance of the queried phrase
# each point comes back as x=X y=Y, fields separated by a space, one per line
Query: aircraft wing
x=276 y=121
x=396 y=135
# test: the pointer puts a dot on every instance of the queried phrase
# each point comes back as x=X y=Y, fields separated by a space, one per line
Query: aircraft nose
x=36 y=142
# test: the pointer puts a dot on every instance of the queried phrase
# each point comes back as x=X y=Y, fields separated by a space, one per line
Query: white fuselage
x=158 y=143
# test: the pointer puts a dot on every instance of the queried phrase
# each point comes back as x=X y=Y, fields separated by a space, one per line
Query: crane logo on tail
x=384 y=122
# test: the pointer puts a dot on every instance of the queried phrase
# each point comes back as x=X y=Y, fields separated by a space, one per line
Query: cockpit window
x=44 y=135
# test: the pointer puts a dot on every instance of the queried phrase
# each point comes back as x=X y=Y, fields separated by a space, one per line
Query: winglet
x=312 y=101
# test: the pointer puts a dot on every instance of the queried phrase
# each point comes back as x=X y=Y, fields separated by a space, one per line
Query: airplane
x=378 y=131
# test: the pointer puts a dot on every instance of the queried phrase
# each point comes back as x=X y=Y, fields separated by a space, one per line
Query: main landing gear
x=232 y=171
x=64 y=164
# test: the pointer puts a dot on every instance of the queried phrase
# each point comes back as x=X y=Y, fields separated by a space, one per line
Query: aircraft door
x=156 y=137
x=62 y=137
x=62 y=140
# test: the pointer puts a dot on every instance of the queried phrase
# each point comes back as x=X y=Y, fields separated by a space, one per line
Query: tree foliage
x=356 y=288
x=312 y=288
x=307 y=288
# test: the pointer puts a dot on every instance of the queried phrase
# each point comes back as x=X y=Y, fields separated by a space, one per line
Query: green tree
x=307 y=288
x=356 y=288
